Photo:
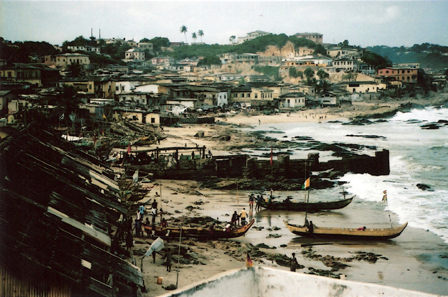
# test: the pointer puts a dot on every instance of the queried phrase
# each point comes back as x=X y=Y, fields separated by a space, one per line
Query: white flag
x=156 y=246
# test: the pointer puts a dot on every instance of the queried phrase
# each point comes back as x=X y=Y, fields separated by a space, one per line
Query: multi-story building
x=64 y=60
x=146 y=46
x=315 y=37
x=403 y=74
x=162 y=60
x=341 y=53
x=86 y=48
x=134 y=54
x=34 y=74
x=345 y=64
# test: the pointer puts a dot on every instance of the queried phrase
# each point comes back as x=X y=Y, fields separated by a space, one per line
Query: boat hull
x=198 y=233
x=347 y=233
x=311 y=207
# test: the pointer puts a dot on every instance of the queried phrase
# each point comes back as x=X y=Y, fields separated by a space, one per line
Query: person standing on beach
x=154 y=257
x=168 y=260
x=293 y=264
x=251 y=201
x=234 y=218
x=243 y=216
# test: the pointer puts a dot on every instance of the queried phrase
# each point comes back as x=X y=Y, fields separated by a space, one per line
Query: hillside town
x=98 y=134
x=157 y=89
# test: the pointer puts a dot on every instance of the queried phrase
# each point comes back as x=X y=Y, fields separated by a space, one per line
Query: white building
x=252 y=35
x=134 y=54
x=64 y=60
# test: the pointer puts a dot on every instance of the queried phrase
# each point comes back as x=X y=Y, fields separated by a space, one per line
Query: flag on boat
x=249 y=261
x=271 y=155
x=61 y=117
x=135 y=177
x=306 y=184
x=384 y=196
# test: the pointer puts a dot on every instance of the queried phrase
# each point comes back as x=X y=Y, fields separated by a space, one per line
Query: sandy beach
x=414 y=260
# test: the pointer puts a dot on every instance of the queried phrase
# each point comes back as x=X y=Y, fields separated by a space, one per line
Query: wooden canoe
x=199 y=233
x=302 y=206
x=347 y=233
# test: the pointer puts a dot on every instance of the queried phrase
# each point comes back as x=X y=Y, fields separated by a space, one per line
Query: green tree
x=345 y=43
x=320 y=49
x=201 y=33
x=159 y=42
x=194 y=36
x=232 y=38
x=294 y=73
x=184 y=30
x=309 y=73
x=375 y=60
x=322 y=74
x=210 y=60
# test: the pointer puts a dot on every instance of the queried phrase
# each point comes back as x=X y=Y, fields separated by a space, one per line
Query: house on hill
x=292 y=100
x=315 y=37
x=403 y=74
x=252 y=35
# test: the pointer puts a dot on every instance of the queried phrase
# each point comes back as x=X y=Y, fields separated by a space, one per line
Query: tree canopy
x=375 y=60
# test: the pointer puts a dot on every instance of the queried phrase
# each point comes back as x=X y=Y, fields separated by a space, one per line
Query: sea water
x=417 y=156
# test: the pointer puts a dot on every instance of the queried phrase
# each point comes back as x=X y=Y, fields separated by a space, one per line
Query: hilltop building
x=315 y=37
x=252 y=35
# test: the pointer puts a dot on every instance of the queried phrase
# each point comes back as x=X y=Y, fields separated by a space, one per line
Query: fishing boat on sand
x=363 y=233
x=196 y=232
x=287 y=204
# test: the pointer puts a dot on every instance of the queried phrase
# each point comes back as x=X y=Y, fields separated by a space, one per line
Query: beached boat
x=287 y=204
x=199 y=233
x=346 y=233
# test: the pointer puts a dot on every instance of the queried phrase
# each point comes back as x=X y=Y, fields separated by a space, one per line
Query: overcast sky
x=363 y=23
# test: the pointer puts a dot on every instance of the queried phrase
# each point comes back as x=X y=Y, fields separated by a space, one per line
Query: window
x=153 y=120
x=256 y=96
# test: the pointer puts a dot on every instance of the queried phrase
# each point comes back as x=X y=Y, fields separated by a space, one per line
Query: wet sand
x=413 y=259
x=416 y=260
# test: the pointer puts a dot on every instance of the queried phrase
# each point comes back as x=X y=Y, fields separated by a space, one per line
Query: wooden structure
x=346 y=233
x=195 y=232
x=58 y=207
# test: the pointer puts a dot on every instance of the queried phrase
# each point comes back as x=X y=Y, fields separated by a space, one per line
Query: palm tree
x=232 y=38
x=194 y=36
x=184 y=30
x=201 y=33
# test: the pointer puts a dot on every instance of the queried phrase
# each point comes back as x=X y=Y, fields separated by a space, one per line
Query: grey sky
x=364 y=23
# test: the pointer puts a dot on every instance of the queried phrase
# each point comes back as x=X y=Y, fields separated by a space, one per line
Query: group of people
x=258 y=201
x=154 y=212
x=238 y=219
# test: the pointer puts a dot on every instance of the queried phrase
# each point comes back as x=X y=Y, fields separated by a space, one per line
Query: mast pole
x=307 y=194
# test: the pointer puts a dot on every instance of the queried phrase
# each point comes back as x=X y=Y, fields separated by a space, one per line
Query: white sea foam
x=417 y=156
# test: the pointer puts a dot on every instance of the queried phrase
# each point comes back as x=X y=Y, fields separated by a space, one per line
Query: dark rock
x=423 y=187
x=366 y=136
x=359 y=122
x=431 y=126
x=263 y=246
x=273 y=236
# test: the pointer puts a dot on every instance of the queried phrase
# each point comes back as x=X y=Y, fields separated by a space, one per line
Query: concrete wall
x=269 y=282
